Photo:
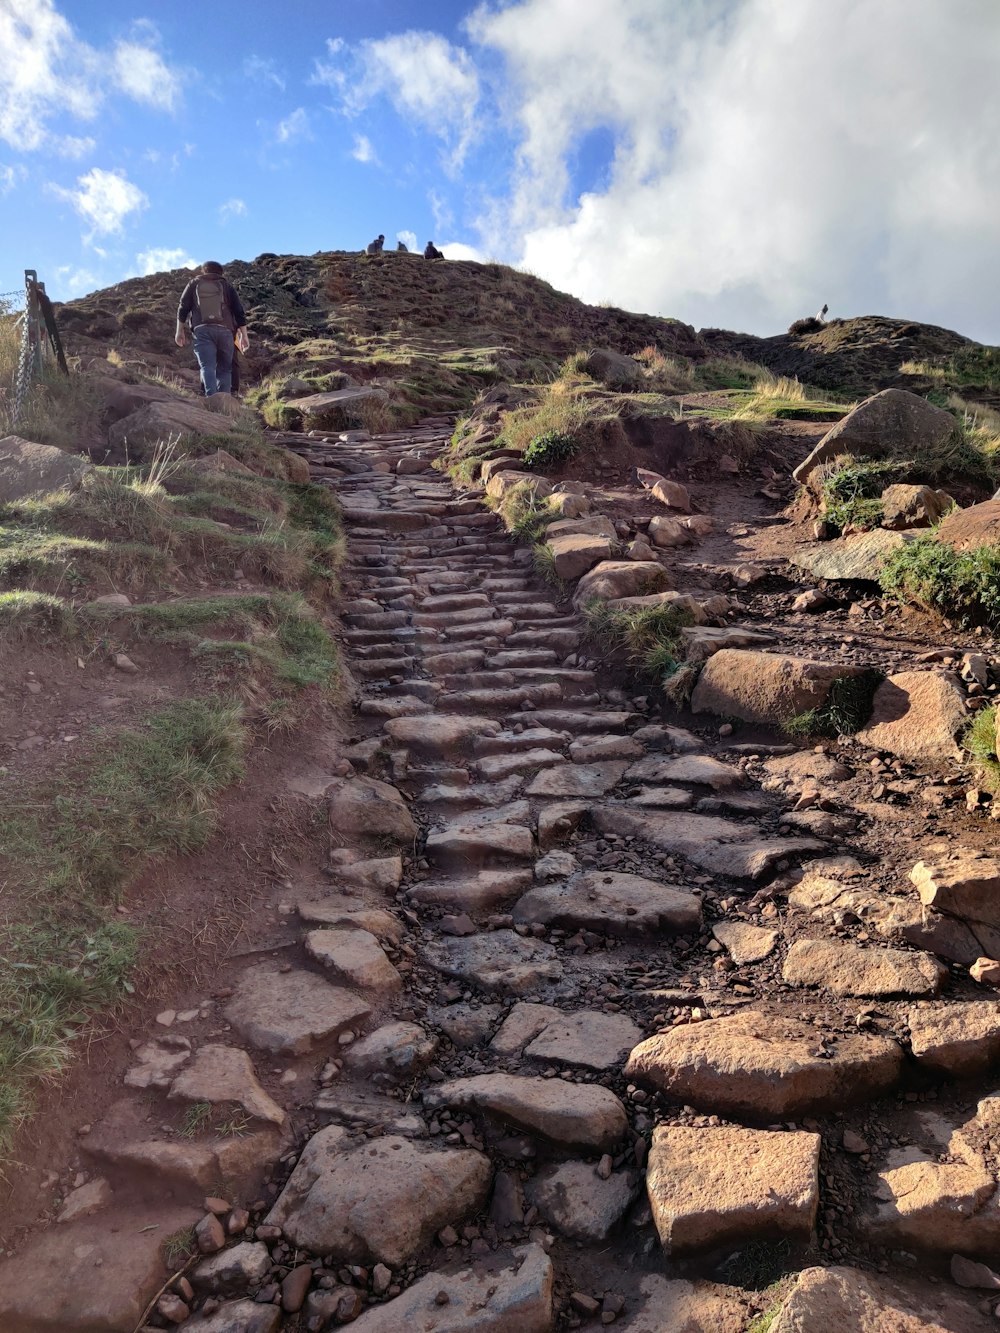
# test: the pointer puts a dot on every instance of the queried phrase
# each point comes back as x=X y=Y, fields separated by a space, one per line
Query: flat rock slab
x=219 y=1074
x=616 y=904
x=501 y=961
x=470 y=845
x=765 y=687
x=291 y=1012
x=91 y=1276
x=712 y=1187
x=383 y=925
x=575 y=1115
x=157 y=1063
x=362 y=1108
x=917 y=715
x=859 y=559
x=844 y=1299
x=576 y=1201
x=697 y=769
x=507 y=1292
x=376 y=1200
x=355 y=958
x=850 y=969
x=585 y=780
x=761 y=1067
x=745 y=943
x=587 y=1039
x=960 y=1039
x=476 y=894
x=666 y=1305
x=719 y=845
x=364 y=808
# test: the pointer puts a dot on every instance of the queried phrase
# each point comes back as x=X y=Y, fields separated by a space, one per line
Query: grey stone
x=401 y=1050
x=617 y=904
x=354 y=958
x=576 y=1115
x=376 y=1200
x=586 y=1039
x=238 y=1317
x=850 y=969
x=575 y=1200
x=501 y=961
x=30 y=470
x=291 y=1012
x=225 y=1074
x=232 y=1271
x=858 y=559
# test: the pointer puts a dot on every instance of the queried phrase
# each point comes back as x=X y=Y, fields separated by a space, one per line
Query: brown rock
x=907 y=506
x=891 y=424
x=849 y=969
x=765 y=687
x=763 y=1067
x=745 y=943
x=574 y=553
x=843 y=1300
x=355 y=958
x=965 y=883
x=294 y=1288
x=209 y=1235
x=379 y=1200
x=612 y=579
x=290 y=1012
x=225 y=1074
x=613 y=903
x=956 y=1039
x=986 y=971
x=979 y=525
x=363 y=808
x=576 y=1115
x=711 y=1187
x=917 y=715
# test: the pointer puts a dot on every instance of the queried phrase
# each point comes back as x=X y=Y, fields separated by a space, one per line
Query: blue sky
x=730 y=162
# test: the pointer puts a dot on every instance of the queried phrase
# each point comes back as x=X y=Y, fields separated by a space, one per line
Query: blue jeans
x=213 y=347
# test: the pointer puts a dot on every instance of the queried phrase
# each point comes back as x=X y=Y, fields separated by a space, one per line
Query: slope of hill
x=439 y=332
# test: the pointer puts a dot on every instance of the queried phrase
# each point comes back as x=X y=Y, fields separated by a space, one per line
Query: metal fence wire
x=39 y=336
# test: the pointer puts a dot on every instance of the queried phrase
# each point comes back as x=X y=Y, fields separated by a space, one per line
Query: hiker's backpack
x=210 y=298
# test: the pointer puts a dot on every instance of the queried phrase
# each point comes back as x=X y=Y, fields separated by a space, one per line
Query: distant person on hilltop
x=432 y=252
x=375 y=247
x=821 y=317
x=401 y=248
x=211 y=307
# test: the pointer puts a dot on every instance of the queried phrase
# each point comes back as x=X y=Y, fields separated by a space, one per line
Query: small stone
x=967 y=1273
x=166 y=1018
x=584 y=1304
x=172 y=1308
x=294 y=1288
x=854 y=1143
x=209 y=1235
x=986 y=971
x=381 y=1279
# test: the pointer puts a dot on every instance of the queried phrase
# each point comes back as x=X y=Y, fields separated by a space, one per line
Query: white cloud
x=294 y=128
x=162 y=260
x=140 y=72
x=430 y=82
x=232 y=208
x=72 y=282
x=456 y=250
x=765 y=156
x=105 y=199
x=10 y=177
x=363 y=150
x=409 y=239
x=259 y=70
x=47 y=71
x=72 y=146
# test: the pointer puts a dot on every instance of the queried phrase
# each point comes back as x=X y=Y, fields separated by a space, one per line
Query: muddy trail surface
x=587 y=1014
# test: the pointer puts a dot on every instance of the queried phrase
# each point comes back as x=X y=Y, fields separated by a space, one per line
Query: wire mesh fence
x=29 y=336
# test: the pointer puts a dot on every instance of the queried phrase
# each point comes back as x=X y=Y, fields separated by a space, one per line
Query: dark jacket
x=187 y=311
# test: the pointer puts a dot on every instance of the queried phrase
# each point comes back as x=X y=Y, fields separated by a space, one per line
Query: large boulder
x=28 y=469
x=141 y=431
x=612 y=579
x=612 y=368
x=979 y=525
x=917 y=715
x=765 y=687
x=890 y=424
x=339 y=409
x=964 y=883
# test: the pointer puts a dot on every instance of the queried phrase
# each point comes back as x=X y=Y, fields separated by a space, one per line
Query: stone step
x=499 y=700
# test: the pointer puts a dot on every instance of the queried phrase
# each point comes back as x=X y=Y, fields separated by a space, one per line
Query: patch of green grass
x=179 y=1245
x=68 y=849
x=523 y=514
x=852 y=494
x=980 y=740
x=23 y=611
x=783 y=398
x=763 y=1322
x=649 y=637
x=197 y=1118
x=847 y=708
x=544 y=562
x=549 y=450
x=962 y=586
x=728 y=372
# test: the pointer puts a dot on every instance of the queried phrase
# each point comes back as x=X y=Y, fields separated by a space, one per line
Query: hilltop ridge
x=444 y=330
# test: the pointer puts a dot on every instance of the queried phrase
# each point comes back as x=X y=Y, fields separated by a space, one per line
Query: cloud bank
x=767 y=156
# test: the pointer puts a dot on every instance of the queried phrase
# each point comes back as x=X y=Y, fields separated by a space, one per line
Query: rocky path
x=587 y=1021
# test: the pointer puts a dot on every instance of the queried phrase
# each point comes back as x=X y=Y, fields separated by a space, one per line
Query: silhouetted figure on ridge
x=432 y=252
x=401 y=248
x=822 y=314
x=375 y=247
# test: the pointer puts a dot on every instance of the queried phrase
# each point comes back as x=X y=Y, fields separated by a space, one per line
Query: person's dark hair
x=211 y=266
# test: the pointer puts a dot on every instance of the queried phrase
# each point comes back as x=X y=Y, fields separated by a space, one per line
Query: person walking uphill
x=214 y=311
